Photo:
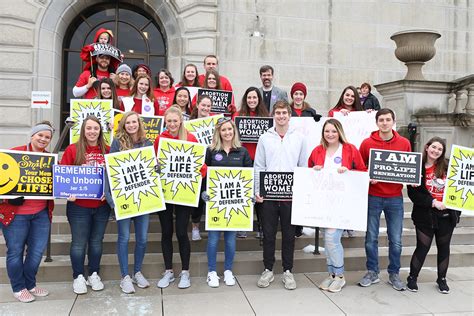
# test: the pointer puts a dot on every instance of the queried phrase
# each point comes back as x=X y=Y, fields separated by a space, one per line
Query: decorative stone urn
x=414 y=48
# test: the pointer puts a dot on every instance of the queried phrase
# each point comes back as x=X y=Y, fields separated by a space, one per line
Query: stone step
x=246 y=262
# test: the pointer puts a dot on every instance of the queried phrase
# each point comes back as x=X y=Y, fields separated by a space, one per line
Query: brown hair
x=356 y=106
x=81 y=144
x=384 y=111
x=266 y=68
x=260 y=110
x=125 y=140
x=338 y=126
x=365 y=84
x=441 y=164
x=194 y=112
x=281 y=104
x=184 y=81
x=110 y=82
x=218 y=79
x=167 y=73
x=149 y=93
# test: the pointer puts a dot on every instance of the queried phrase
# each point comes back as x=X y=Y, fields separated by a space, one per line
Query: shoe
x=24 y=296
x=443 y=286
x=39 y=292
x=94 y=282
x=371 y=277
x=229 y=278
x=184 y=280
x=140 y=280
x=79 y=285
x=411 y=284
x=259 y=235
x=213 y=279
x=126 y=285
x=326 y=282
x=288 y=280
x=345 y=233
x=298 y=231
x=337 y=284
x=241 y=234
x=350 y=233
x=266 y=278
x=196 y=235
x=168 y=277
x=394 y=280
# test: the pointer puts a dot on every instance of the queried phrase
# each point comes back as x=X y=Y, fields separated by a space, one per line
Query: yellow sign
x=230 y=205
x=203 y=128
x=82 y=108
x=153 y=125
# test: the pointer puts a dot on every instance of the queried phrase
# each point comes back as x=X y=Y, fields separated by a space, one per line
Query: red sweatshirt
x=93 y=158
x=84 y=79
x=397 y=142
x=351 y=158
x=164 y=99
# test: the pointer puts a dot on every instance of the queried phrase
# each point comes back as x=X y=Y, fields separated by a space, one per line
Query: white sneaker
x=266 y=278
x=196 y=235
x=338 y=284
x=229 y=278
x=213 y=279
x=168 y=277
x=184 y=280
x=94 y=282
x=288 y=280
x=140 y=280
x=79 y=285
x=126 y=285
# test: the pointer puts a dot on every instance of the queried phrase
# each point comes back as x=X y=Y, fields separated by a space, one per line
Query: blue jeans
x=141 y=237
x=212 y=243
x=87 y=230
x=393 y=210
x=334 y=251
x=31 y=231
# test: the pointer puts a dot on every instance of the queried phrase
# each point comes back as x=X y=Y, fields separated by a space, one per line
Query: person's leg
x=424 y=237
x=212 y=244
x=287 y=236
x=182 y=214
x=229 y=238
x=375 y=205
x=36 y=245
x=80 y=221
x=393 y=210
x=166 y=222
x=327 y=249
x=269 y=221
x=443 y=241
x=100 y=218
x=123 y=238
x=141 y=237
x=334 y=250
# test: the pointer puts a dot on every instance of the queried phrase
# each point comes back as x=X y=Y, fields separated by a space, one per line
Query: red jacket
x=384 y=189
x=164 y=99
x=351 y=158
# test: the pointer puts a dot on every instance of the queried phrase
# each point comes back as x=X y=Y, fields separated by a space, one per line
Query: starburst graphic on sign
x=179 y=155
x=461 y=165
x=97 y=108
x=218 y=183
x=134 y=176
x=203 y=128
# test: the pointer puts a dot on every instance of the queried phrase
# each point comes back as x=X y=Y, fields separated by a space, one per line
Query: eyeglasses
x=224 y=119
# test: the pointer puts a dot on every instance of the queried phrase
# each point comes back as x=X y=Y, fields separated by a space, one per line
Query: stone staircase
x=248 y=259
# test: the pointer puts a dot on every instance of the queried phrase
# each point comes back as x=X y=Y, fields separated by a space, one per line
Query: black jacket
x=309 y=112
x=371 y=102
x=423 y=214
x=237 y=157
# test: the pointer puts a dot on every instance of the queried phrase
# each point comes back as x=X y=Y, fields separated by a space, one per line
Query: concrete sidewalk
x=245 y=298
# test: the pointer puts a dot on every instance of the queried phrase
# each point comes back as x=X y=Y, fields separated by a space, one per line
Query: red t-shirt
x=164 y=99
x=122 y=93
x=84 y=79
x=298 y=111
x=433 y=184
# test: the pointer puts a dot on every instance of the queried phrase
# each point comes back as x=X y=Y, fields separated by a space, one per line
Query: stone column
x=470 y=100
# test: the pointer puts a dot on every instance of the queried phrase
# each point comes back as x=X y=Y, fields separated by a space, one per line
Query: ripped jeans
x=334 y=251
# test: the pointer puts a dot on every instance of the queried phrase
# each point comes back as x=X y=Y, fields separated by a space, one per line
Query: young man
x=387 y=197
x=270 y=93
x=84 y=85
x=211 y=62
x=279 y=149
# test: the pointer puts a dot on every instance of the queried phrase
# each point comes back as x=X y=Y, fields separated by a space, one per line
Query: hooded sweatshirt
x=164 y=99
x=397 y=142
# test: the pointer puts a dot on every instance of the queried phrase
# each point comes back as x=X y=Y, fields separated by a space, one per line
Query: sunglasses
x=224 y=119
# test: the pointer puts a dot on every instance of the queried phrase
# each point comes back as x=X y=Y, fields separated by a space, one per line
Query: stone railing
x=463 y=91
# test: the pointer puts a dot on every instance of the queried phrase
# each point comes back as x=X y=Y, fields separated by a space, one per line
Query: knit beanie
x=124 y=68
x=298 y=86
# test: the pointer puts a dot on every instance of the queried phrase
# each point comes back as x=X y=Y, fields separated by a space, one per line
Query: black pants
x=197 y=212
x=270 y=212
x=182 y=221
x=424 y=237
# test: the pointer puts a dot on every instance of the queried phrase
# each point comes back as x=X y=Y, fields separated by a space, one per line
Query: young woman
x=336 y=153
x=367 y=99
x=131 y=134
x=190 y=76
x=175 y=130
x=225 y=151
x=431 y=217
x=164 y=93
x=141 y=69
x=141 y=100
x=182 y=98
x=106 y=90
x=299 y=107
x=348 y=101
x=26 y=224
x=202 y=109
x=87 y=218
x=123 y=81
x=211 y=81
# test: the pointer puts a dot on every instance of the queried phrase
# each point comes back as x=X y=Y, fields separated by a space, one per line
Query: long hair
x=356 y=106
x=125 y=140
x=182 y=132
x=114 y=98
x=194 y=112
x=216 y=75
x=339 y=129
x=168 y=74
x=440 y=163
x=81 y=144
x=216 y=144
x=305 y=105
x=185 y=82
x=260 y=110
x=129 y=85
x=188 y=107
x=149 y=93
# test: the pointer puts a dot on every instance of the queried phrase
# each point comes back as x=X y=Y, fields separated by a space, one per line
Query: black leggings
x=424 y=237
x=197 y=212
x=182 y=220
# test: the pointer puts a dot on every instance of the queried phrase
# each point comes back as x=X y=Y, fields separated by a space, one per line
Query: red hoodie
x=397 y=142
x=351 y=158
x=164 y=99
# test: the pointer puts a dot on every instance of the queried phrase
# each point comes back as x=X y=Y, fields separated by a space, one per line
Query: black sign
x=251 y=128
x=106 y=49
x=277 y=186
x=395 y=166
x=220 y=99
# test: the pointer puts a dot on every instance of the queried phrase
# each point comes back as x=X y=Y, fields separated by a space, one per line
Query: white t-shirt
x=333 y=161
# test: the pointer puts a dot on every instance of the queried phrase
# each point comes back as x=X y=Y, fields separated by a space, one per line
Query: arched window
x=136 y=33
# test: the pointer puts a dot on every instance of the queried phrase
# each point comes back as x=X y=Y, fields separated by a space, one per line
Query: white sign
x=329 y=199
x=310 y=129
x=357 y=125
x=41 y=99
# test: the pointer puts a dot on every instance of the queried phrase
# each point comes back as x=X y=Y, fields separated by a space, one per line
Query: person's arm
x=420 y=196
x=79 y=91
x=208 y=160
x=358 y=162
x=376 y=104
x=302 y=162
x=259 y=165
x=115 y=146
x=247 y=161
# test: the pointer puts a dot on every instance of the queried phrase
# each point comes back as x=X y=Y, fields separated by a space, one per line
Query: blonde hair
x=125 y=140
x=338 y=126
x=217 y=141
x=182 y=132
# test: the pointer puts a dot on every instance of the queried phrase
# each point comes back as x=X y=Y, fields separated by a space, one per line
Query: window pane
x=130 y=40
x=156 y=63
x=74 y=69
x=102 y=14
x=132 y=17
x=77 y=40
x=155 y=39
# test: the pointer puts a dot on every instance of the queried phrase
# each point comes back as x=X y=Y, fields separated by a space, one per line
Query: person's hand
x=438 y=205
x=112 y=76
x=373 y=181
x=157 y=168
x=17 y=201
x=71 y=198
x=253 y=199
x=415 y=185
x=91 y=82
x=345 y=112
x=102 y=198
x=205 y=197
x=317 y=167
x=258 y=198
x=231 y=109
x=369 y=110
x=341 y=169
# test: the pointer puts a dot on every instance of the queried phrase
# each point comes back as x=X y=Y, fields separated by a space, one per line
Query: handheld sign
x=395 y=166
x=153 y=125
x=203 y=128
x=221 y=99
x=277 y=186
x=82 y=108
x=85 y=182
x=251 y=128
x=106 y=49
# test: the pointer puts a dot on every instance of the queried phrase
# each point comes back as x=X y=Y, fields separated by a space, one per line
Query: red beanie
x=298 y=86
